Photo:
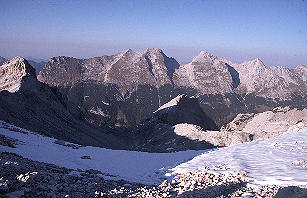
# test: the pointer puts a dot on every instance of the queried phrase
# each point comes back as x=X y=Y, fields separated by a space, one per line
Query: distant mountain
x=38 y=60
x=84 y=110
x=37 y=65
x=127 y=70
x=117 y=90
x=125 y=88
x=28 y=103
x=212 y=75
x=2 y=60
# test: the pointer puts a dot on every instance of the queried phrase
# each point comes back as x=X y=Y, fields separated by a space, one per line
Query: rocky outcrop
x=183 y=109
x=14 y=73
x=158 y=132
x=269 y=123
x=215 y=138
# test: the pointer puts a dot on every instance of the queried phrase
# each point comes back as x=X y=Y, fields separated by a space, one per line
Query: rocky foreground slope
x=24 y=177
x=195 y=178
x=244 y=128
x=127 y=87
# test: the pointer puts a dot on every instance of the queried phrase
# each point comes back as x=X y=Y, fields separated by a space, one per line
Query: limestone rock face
x=207 y=74
x=14 y=72
x=269 y=123
x=271 y=82
x=126 y=69
x=62 y=71
x=213 y=75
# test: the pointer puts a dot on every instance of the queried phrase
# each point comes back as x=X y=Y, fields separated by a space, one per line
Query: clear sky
x=272 y=30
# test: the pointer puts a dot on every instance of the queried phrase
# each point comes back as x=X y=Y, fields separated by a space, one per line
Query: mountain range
x=146 y=101
x=125 y=88
x=29 y=103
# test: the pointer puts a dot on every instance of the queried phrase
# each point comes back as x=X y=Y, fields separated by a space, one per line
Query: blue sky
x=273 y=30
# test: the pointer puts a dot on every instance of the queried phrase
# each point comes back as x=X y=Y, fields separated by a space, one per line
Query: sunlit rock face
x=14 y=72
x=126 y=69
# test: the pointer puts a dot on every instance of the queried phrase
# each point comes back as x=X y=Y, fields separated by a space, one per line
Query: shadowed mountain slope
x=28 y=103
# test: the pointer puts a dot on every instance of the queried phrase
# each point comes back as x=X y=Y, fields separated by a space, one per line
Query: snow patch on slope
x=265 y=161
x=133 y=166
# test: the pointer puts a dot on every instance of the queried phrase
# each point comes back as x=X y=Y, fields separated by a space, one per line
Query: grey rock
x=269 y=124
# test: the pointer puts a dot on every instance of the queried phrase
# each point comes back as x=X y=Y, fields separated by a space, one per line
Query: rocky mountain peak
x=128 y=52
x=154 y=51
x=258 y=61
x=183 y=109
x=254 y=63
x=14 y=72
x=301 y=67
x=204 y=56
x=127 y=55
x=60 y=59
x=161 y=66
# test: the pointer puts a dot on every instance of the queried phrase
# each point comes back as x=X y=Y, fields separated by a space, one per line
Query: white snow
x=98 y=111
x=267 y=162
x=273 y=161
x=171 y=103
x=141 y=167
x=105 y=103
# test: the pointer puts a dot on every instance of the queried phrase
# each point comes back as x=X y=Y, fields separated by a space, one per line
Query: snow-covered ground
x=265 y=161
x=271 y=161
x=141 y=167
